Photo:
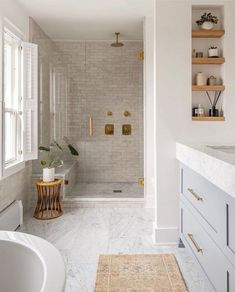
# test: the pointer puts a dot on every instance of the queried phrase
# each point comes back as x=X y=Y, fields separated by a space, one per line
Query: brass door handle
x=198 y=248
x=196 y=196
x=90 y=126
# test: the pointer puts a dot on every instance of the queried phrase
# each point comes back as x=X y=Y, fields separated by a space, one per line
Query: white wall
x=149 y=112
x=11 y=10
x=173 y=103
x=16 y=186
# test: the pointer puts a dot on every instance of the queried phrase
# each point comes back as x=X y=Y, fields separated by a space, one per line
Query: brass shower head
x=117 y=44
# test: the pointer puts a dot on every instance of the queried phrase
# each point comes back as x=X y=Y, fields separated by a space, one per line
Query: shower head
x=117 y=44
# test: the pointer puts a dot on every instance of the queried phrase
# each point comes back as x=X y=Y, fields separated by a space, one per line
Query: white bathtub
x=29 y=264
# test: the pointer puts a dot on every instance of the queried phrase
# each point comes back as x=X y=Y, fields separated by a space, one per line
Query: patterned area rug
x=139 y=273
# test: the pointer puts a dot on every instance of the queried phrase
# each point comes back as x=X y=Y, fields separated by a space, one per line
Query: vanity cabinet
x=207 y=229
x=206 y=198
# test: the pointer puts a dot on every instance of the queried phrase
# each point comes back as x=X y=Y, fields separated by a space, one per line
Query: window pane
x=8 y=75
x=10 y=137
x=16 y=75
x=12 y=75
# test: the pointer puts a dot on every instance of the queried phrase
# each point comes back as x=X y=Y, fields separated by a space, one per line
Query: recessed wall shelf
x=208 y=100
x=207 y=33
x=208 y=88
x=208 y=61
x=209 y=119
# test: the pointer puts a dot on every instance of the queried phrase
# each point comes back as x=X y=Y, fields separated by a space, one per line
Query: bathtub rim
x=53 y=264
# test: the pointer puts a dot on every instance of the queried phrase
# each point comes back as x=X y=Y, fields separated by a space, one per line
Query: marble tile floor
x=107 y=190
x=82 y=234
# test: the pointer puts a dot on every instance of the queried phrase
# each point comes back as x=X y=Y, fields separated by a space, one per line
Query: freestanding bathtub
x=29 y=264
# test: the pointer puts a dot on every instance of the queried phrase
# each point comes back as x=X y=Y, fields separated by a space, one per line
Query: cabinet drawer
x=229 y=248
x=209 y=256
x=231 y=279
x=206 y=198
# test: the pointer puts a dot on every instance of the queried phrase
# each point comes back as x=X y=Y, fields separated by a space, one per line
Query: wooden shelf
x=200 y=33
x=212 y=61
x=208 y=119
x=208 y=88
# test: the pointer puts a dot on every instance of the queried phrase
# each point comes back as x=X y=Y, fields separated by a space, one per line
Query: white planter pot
x=207 y=25
x=213 y=53
x=48 y=174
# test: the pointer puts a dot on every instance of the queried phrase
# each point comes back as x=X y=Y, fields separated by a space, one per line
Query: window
x=19 y=114
x=12 y=100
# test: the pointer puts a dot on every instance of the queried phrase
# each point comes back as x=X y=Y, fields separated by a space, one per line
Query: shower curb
x=103 y=203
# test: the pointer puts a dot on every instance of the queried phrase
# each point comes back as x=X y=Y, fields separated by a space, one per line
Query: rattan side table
x=48 y=204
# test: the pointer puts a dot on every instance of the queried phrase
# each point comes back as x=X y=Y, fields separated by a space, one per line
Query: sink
x=223 y=148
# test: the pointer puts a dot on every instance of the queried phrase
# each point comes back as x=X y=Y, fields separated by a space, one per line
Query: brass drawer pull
x=195 y=194
x=195 y=243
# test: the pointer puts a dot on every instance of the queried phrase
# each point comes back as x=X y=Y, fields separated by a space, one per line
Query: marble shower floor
x=82 y=234
x=107 y=190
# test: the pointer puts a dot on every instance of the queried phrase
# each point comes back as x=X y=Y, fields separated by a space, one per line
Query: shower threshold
x=121 y=191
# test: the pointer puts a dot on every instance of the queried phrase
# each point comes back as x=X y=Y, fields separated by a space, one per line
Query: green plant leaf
x=58 y=145
x=58 y=163
x=56 y=152
x=43 y=163
x=73 y=151
x=43 y=148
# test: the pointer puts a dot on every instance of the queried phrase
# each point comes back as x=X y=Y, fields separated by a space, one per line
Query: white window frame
x=27 y=104
x=11 y=167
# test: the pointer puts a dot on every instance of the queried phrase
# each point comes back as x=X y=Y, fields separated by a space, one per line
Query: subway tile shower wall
x=105 y=79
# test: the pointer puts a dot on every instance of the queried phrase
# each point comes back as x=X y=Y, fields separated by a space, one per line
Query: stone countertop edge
x=59 y=172
x=212 y=164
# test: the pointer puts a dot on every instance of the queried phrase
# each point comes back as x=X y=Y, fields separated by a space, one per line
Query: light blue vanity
x=207 y=212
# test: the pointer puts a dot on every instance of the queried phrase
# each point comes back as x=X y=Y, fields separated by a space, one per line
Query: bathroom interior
x=117 y=152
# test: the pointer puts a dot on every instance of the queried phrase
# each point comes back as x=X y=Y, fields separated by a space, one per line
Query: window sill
x=13 y=168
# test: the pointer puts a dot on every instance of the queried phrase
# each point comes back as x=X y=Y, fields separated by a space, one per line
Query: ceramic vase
x=48 y=174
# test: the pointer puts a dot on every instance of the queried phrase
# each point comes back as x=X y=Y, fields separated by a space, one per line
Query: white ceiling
x=90 y=19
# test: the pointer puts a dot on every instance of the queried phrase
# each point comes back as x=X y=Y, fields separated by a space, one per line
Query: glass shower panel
x=112 y=84
x=105 y=83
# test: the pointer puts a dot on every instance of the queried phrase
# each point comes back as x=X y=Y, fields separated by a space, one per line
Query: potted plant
x=213 y=52
x=54 y=154
x=207 y=21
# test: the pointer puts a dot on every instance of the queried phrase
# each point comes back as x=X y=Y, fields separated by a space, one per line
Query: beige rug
x=139 y=273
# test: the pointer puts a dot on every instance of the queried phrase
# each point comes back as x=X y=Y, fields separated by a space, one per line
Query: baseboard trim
x=165 y=235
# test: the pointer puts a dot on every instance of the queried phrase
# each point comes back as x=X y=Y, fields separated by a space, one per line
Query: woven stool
x=48 y=204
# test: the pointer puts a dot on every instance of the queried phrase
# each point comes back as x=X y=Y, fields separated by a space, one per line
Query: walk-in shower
x=105 y=117
x=93 y=94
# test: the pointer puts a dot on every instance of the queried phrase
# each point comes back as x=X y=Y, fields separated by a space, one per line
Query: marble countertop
x=215 y=164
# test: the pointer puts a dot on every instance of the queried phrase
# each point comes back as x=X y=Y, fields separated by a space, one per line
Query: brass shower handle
x=90 y=125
